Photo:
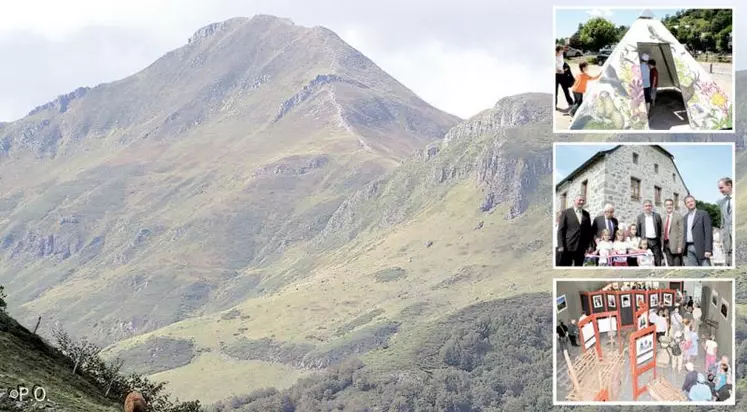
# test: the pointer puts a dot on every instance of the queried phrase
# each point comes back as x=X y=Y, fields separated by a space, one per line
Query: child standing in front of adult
x=604 y=249
x=646 y=79
x=579 y=86
x=654 y=81
x=647 y=259
x=620 y=247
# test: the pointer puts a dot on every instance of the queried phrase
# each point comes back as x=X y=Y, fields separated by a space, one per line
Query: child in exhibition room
x=647 y=260
x=620 y=247
x=676 y=352
x=711 y=350
x=604 y=249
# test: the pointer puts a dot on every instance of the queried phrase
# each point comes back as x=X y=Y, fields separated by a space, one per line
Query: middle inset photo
x=643 y=205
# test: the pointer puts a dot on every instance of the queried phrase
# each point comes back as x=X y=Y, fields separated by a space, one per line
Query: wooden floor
x=663 y=391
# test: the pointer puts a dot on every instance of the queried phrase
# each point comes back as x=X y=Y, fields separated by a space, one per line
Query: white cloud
x=600 y=12
x=461 y=59
x=558 y=175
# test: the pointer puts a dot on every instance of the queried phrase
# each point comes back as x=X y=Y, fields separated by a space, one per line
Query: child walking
x=579 y=86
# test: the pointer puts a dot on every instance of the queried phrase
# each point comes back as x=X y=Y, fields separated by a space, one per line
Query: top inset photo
x=627 y=70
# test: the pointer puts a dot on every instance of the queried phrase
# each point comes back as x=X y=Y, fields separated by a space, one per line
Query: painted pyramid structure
x=616 y=102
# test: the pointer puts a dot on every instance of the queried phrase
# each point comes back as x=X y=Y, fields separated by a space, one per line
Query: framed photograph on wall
x=668 y=299
x=597 y=301
x=560 y=303
x=611 y=301
x=724 y=308
x=653 y=300
x=625 y=301
x=714 y=299
x=640 y=300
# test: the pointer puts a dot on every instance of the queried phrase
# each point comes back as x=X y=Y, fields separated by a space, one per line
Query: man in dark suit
x=672 y=235
x=606 y=221
x=649 y=227
x=697 y=243
x=574 y=234
x=726 y=204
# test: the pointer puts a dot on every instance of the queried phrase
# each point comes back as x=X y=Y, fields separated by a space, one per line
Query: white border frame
x=641 y=403
x=733 y=96
x=565 y=298
x=555 y=205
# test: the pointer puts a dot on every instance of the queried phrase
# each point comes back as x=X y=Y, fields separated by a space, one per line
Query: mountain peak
x=235 y=22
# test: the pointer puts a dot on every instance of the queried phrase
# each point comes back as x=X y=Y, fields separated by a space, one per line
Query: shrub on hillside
x=3 y=305
x=85 y=360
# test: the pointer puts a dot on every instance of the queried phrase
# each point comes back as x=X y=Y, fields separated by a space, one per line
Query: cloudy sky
x=701 y=165
x=461 y=56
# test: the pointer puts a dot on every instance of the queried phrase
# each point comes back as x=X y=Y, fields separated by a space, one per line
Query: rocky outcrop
x=33 y=246
x=312 y=87
x=512 y=111
x=61 y=103
x=512 y=180
x=293 y=166
x=214 y=28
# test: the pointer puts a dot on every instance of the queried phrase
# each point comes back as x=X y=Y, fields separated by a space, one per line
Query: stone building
x=624 y=176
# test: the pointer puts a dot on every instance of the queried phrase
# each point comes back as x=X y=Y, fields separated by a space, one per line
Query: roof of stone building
x=598 y=156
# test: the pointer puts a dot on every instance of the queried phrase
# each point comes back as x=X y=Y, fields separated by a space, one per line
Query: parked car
x=571 y=52
x=604 y=53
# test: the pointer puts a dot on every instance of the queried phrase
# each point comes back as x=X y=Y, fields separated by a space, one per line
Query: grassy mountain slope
x=457 y=224
x=142 y=202
x=28 y=361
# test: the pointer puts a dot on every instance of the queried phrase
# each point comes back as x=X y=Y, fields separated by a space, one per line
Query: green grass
x=27 y=360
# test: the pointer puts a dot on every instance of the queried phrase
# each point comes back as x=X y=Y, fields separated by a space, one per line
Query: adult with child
x=579 y=86
x=575 y=235
x=671 y=239
x=649 y=227
x=726 y=187
x=698 y=239
x=562 y=71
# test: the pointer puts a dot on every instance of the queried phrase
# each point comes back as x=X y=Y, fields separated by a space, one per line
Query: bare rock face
x=512 y=111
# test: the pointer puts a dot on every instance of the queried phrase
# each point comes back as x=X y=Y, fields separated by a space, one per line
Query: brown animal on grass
x=134 y=403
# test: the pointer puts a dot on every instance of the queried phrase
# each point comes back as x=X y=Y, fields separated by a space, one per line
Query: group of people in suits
x=683 y=240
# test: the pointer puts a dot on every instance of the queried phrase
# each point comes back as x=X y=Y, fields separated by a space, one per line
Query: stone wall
x=620 y=169
x=609 y=181
x=595 y=191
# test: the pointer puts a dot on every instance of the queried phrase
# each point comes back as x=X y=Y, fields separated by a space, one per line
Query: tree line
x=707 y=30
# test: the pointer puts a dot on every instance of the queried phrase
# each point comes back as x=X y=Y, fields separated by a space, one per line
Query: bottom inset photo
x=644 y=341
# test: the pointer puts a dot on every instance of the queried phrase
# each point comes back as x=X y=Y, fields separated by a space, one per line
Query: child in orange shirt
x=579 y=87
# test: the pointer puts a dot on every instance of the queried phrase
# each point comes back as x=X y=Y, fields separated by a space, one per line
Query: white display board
x=607 y=324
